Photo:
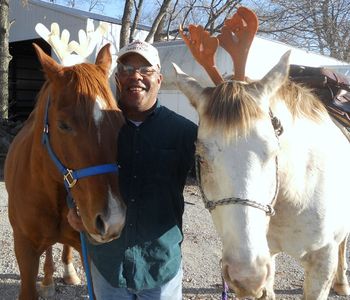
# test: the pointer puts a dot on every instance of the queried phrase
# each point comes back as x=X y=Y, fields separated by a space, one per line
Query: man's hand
x=74 y=220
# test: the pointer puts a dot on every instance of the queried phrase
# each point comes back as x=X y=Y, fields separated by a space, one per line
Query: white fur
x=114 y=220
x=100 y=105
x=312 y=206
x=70 y=275
x=98 y=114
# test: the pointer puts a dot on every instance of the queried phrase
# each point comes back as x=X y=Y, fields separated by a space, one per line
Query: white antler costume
x=64 y=49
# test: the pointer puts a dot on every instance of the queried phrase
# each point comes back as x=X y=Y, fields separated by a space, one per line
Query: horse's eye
x=64 y=126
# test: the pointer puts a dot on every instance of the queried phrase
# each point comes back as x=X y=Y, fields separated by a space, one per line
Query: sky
x=112 y=8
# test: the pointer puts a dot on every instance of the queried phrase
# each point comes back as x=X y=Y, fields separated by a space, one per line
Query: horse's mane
x=231 y=106
x=91 y=81
x=88 y=81
x=302 y=101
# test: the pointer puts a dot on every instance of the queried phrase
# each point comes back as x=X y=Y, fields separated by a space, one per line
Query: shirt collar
x=153 y=113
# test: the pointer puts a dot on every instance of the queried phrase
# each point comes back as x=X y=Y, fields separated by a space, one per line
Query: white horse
x=274 y=173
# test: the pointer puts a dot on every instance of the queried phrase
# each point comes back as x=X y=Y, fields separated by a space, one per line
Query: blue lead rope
x=225 y=290
x=70 y=177
x=86 y=265
x=224 y=294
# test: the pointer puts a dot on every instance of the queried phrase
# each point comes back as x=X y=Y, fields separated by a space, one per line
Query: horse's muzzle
x=252 y=285
x=107 y=230
x=106 y=225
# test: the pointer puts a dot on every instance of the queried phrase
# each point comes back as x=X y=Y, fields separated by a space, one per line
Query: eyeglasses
x=127 y=70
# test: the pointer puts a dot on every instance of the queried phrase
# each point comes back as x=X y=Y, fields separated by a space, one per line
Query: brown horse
x=68 y=145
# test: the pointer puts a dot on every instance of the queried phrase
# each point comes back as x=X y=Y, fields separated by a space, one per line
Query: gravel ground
x=201 y=252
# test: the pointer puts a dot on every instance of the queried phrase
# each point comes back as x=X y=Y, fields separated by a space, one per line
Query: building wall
x=263 y=55
x=176 y=101
x=26 y=16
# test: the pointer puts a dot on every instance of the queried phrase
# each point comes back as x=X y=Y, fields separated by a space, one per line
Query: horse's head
x=83 y=125
x=238 y=147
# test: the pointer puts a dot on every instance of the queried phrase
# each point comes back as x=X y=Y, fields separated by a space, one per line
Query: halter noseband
x=268 y=209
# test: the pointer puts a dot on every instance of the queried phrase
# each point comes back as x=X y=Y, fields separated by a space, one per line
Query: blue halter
x=70 y=178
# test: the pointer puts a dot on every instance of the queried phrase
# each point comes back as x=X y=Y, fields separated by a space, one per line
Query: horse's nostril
x=100 y=225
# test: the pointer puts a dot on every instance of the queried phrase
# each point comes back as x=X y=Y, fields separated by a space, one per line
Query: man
x=155 y=153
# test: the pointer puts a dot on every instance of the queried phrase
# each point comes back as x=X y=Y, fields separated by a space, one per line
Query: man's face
x=138 y=89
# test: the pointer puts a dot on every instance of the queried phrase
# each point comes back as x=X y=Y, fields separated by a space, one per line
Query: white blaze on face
x=98 y=114
x=115 y=219
x=117 y=212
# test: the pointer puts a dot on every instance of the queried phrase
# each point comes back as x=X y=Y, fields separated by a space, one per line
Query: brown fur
x=36 y=194
x=88 y=81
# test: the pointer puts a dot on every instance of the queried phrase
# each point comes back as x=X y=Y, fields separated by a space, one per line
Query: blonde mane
x=301 y=101
x=232 y=109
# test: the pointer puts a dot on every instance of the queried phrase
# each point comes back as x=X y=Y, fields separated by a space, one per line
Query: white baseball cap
x=144 y=49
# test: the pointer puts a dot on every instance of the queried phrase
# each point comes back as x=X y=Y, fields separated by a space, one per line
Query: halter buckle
x=46 y=128
x=69 y=178
x=270 y=210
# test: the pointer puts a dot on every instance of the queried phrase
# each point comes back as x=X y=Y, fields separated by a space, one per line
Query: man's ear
x=160 y=78
x=117 y=84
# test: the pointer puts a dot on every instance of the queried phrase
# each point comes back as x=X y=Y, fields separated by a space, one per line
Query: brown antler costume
x=203 y=48
x=236 y=37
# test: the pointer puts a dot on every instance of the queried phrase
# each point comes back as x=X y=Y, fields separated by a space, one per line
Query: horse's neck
x=308 y=148
x=32 y=131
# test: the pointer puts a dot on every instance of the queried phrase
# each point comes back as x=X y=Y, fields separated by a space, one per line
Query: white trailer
x=263 y=55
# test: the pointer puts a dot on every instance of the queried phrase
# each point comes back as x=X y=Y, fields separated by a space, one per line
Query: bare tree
x=137 y=17
x=217 y=12
x=209 y=14
x=162 y=11
x=158 y=35
x=92 y=5
x=126 y=25
x=4 y=57
x=170 y=14
x=323 y=28
x=96 y=5
x=128 y=28
x=70 y=3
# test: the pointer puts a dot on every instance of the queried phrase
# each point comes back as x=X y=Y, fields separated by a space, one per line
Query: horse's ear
x=51 y=68
x=104 y=58
x=275 y=78
x=189 y=86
